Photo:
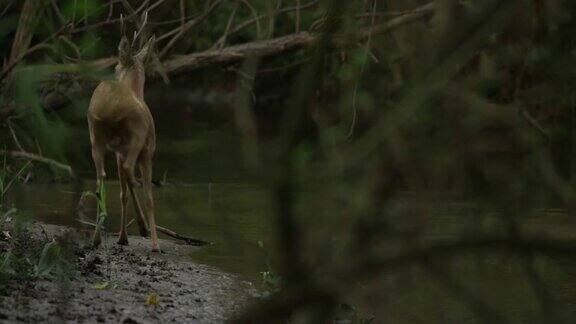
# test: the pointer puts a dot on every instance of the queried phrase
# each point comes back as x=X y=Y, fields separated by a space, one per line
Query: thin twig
x=355 y=95
x=13 y=133
x=6 y=8
x=285 y=10
x=298 y=9
x=31 y=49
x=182 y=13
x=256 y=18
x=110 y=11
x=88 y=223
x=184 y=28
x=58 y=12
x=131 y=15
x=222 y=40
x=534 y=123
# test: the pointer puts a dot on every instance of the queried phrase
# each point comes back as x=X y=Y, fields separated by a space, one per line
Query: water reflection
x=232 y=216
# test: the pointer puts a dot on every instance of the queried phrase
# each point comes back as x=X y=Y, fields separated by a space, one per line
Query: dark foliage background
x=437 y=138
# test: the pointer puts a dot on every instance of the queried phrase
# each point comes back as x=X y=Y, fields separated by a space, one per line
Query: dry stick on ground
x=187 y=239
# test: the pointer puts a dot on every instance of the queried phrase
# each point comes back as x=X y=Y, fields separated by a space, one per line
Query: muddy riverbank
x=125 y=284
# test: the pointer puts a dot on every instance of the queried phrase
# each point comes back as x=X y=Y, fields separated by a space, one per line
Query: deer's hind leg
x=122 y=235
x=128 y=166
x=98 y=153
x=146 y=171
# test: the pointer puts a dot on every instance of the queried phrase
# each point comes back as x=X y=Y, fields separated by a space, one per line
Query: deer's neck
x=135 y=80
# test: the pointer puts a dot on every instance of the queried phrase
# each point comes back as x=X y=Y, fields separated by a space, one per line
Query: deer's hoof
x=122 y=241
x=156 y=249
x=96 y=241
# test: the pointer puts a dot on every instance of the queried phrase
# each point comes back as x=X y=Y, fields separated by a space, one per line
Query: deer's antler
x=122 y=26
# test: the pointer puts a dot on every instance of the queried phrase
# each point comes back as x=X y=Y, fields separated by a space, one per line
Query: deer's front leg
x=122 y=235
x=98 y=152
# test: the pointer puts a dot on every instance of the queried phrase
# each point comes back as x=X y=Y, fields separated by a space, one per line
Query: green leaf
x=48 y=259
x=152 y=299
x=101 y=285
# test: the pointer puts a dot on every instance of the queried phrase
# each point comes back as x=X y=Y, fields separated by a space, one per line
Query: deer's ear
x=144 y=53
x=124 y=51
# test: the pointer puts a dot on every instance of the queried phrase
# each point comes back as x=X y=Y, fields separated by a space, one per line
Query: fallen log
x=38 y=158
x=186 y=63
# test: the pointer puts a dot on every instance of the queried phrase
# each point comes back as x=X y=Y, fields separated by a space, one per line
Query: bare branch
x=281 y=11
x=184 y=28
x=355 y=95
x=108 y=21
x=8 y=6
x=256 y=18
x=281 y=44
x=182 y=12
x=222 y=40
x=58 y=12
x=38 y=158
x=298 y=9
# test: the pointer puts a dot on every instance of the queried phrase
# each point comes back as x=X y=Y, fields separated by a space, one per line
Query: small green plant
x=14 y=262
x=10 y=260
x=7 y=180
x=101 y=213
x=4 y=266
x=270 y=279
x=6 y=183
x=53 y=261
x=101 y=285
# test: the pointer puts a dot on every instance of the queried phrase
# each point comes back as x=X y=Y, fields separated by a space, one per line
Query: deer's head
x=134 y=55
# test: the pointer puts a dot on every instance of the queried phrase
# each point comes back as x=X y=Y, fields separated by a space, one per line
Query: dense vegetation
x=391 y=112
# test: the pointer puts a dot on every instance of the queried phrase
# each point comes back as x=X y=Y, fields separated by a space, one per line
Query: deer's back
x=113 y=102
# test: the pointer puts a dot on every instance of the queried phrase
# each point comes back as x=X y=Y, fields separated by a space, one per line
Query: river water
x=208 y=193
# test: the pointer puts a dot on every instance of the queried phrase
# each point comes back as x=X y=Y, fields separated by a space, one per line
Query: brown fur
x=120 y=121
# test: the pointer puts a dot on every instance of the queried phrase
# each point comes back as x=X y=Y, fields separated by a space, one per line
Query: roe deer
x=119 y=120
